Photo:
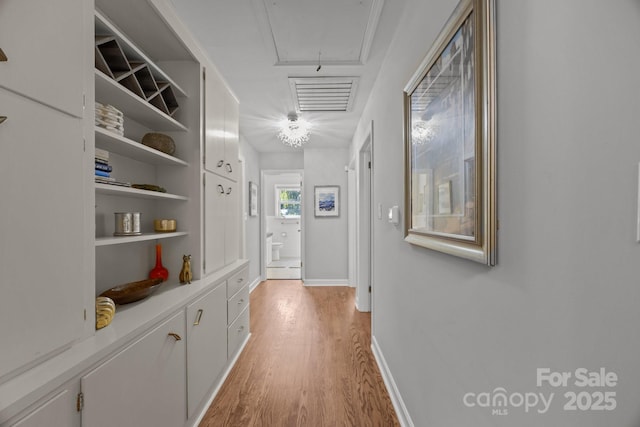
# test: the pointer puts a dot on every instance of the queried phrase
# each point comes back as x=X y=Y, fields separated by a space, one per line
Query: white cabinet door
x=206 y=344
x=214 y=222
x=44 y=43
x=232 y=223
x=41 y=230
x=214 y=123
x=232 y=136
x=222 y=132
x=221 y=222
x=143 y=385
x=60 y=410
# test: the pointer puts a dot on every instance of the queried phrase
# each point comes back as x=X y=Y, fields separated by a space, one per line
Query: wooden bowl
x=160 y=142
x=132 y=292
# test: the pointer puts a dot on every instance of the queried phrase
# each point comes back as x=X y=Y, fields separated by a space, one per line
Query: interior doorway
x=364 y=227
x=282 y=220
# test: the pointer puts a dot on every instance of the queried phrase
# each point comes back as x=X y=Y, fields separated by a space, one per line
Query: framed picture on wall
x=450 y=139
x=253 y=199
x=327 y=200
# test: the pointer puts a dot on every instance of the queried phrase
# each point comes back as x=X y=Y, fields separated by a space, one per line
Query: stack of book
x=110 y=118
x=104 y=169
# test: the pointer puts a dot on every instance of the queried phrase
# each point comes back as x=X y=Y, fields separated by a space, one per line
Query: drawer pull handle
x=2 y=119
x=3 y=57
x=241 y=328
x=228 y=191
x=220 y=163
x=241 y=301
x=198 y=317
x=229 y=168
x=240 y=280
x=175 y=336
x=220 y=189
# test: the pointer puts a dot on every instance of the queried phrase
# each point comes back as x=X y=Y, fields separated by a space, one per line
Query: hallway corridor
x=308 y=363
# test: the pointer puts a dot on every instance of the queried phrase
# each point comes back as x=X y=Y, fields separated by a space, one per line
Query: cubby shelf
x=117 y=190
x=104 y=27
x=115 y=143
x=117 y=240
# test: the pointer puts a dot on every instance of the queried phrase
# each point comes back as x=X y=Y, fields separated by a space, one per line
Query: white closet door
x=41 y=231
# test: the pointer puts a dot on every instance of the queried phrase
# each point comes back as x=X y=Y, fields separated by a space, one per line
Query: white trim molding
x=396 y=399
x=326 y=282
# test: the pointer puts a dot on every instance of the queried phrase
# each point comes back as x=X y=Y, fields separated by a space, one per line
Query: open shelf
x=117 y=190
x=108 y=91
x=117 y=240
x=115 y=143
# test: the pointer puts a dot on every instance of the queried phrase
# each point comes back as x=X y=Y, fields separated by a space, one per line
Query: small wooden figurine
x=185 y=273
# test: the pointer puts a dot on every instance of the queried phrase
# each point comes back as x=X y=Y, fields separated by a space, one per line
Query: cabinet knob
x=220 y=163
x=174 y=335
x=198 y=317
x=2 y=119
x=3 y=57
x=229 y=168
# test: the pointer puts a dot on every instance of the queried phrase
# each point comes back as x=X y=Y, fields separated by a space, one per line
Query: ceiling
x=269 y=51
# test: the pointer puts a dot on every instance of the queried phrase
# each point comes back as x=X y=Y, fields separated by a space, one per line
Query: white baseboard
x=255 y=284
x=394 y=393
x=214 y=392
x=326 y=282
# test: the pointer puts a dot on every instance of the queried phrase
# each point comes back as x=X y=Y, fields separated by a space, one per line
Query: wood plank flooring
x=308 y=363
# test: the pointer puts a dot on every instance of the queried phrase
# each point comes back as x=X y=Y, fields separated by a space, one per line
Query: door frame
x=364 y=224
x=263 y=218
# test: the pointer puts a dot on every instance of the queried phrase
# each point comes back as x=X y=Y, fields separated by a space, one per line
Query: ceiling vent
x=323 y=93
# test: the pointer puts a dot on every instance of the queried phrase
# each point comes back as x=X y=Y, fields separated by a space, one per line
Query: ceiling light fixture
x=294 y=131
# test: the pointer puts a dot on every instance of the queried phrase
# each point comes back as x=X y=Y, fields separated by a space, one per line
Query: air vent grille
x=323 y=93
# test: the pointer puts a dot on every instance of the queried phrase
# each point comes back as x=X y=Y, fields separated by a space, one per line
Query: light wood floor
x=308 y=363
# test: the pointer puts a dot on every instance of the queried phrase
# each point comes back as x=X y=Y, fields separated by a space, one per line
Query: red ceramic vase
x=159 y=270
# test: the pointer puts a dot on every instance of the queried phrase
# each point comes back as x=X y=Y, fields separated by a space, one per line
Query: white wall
x=252 y=223
x=565 y=293
x=326 y=249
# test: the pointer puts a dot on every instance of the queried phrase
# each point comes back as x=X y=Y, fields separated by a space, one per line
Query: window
x=288 y=201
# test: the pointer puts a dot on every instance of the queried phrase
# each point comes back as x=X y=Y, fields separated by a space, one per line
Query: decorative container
x=127 y=224
x=164 y=225
x=159 y=271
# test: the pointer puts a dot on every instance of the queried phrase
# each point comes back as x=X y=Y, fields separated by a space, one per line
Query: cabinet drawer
x=237 y=303
x=237 y=332
x=237 y=281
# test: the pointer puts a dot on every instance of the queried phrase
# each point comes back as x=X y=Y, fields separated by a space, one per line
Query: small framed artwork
x=253 y=199
x=327 y=200
x=450 y=139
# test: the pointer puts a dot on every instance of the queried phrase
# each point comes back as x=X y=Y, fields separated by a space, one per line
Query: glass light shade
x=294 y=131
